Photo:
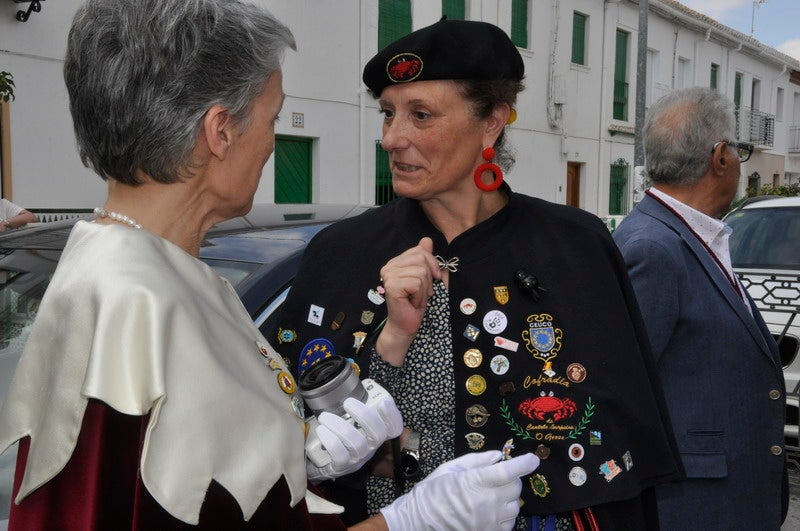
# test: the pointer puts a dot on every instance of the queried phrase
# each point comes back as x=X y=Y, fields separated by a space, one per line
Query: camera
x=324 y=387
x=327 y=384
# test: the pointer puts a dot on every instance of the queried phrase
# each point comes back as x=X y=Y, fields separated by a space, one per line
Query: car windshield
x=765 y=238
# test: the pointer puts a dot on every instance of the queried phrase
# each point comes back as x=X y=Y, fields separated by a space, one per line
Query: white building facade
x=574 y=135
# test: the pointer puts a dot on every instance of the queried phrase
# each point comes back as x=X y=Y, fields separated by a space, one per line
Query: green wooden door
x=292 y=169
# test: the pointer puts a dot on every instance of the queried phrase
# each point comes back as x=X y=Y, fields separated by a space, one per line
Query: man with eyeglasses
x=717 y=362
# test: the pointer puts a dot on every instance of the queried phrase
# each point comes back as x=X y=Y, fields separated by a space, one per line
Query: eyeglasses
x=743 y=149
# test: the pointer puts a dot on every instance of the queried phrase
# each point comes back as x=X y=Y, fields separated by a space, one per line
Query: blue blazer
x=721 y=374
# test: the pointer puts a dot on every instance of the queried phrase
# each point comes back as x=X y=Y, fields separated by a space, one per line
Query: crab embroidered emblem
x=548 y=406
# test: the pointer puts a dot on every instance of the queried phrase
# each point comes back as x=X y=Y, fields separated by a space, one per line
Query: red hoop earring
x=488 y=155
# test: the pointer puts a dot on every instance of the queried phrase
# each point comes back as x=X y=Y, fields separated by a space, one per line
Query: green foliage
x=6 y=86
x=784 y=190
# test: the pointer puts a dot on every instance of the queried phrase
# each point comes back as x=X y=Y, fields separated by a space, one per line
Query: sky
x=776 y=23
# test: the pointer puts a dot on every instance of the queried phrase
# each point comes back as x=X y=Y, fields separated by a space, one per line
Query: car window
x=266 y=320
x=765 y=238
x=234 y=272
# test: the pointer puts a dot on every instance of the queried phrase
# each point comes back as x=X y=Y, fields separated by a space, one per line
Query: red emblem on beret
x=404 y=67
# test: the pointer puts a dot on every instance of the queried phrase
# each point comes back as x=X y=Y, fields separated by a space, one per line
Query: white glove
x=335 y=447
x=476 y=491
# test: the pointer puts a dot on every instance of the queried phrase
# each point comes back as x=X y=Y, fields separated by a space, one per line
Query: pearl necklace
x=115 y=216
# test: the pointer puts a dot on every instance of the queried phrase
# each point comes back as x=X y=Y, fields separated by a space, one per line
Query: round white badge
x=577 y=476
x=499 y=364
x=468 y=306
x=495 y=322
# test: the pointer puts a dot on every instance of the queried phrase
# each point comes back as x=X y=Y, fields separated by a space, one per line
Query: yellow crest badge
x=501 y=294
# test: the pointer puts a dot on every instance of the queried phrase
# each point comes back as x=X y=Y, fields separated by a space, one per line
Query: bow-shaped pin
x=450 y=264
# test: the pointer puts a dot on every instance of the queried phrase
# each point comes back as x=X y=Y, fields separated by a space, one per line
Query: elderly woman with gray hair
x=145 y=397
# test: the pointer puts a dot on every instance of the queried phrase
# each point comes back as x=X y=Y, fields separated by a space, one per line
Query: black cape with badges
x=579 y=389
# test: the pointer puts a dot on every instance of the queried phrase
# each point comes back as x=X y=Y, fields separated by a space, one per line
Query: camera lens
x=327 y=384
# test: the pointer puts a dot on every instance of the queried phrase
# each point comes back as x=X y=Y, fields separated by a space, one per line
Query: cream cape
x=132 y=320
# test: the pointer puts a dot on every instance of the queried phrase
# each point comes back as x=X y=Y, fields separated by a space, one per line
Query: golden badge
x=501 y=294
x=286 y=382
x=473 y=358
x=539 y=485
x=358 y=340
x=476 y=384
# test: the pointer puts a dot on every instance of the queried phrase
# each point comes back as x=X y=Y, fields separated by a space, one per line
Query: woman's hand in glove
x=475 y=491
x=345 y=448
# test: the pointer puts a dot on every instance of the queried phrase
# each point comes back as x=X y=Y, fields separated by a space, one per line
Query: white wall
x=563 y=115
x=45 y=166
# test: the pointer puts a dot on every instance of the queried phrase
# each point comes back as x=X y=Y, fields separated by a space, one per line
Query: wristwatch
x=409 y=456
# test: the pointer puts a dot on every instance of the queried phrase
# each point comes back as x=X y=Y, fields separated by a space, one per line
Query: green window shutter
x=714 y=73
x=578 y=38
x=621 y=77
x=519 y=23
x=383 y=176
x=292 y=169
x=453 y=9
x=394 y=21
x=618 y=188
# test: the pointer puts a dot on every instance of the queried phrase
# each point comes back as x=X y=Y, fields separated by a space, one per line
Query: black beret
x=449 y=49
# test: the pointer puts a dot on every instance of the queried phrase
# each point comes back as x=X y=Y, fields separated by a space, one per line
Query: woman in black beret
x=496 y=320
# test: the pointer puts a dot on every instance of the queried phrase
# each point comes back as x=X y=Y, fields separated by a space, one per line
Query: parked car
x=258 y=253
x=765 y=252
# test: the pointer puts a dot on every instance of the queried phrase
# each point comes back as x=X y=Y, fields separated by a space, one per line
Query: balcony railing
x=755 y=127
x=794 y=139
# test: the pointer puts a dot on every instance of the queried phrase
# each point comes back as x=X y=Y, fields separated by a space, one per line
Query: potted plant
x=6 y=86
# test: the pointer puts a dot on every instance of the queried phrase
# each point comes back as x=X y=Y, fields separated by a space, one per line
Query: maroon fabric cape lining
x=101 y=489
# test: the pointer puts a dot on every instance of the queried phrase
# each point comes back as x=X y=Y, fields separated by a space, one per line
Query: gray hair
x=680 y=130
x=141 y=74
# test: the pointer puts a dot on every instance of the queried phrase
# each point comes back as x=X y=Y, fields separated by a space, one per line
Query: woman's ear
x=218 y=129
x=496 y=122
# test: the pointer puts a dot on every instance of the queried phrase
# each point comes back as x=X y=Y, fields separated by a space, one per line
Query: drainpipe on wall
x=603 y=128
x=637 y=190
x=554 y=116
x=674 y=57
